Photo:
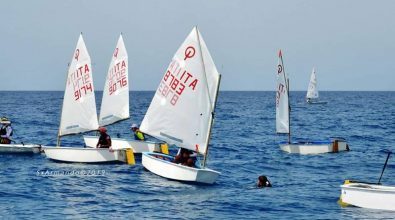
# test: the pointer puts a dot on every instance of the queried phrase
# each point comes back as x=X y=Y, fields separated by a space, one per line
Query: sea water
x=243 y=146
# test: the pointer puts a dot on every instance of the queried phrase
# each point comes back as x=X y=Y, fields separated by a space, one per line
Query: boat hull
x=315 y=147
x=84 y=155
x=317 y=102
x=161 y=165
x=19 y=148
x=370 y=196
x=119 y=143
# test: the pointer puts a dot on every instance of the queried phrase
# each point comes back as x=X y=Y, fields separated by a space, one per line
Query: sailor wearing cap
x=5 y=131
x=104 y=139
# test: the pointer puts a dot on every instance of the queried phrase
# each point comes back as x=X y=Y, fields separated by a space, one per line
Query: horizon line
x=219 y=91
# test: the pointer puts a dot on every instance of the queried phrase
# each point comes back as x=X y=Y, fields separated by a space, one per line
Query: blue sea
x=243 y=146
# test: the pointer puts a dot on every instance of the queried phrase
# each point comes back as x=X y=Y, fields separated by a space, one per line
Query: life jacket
x=103 y=139
x=138 y=135
x=3 y=130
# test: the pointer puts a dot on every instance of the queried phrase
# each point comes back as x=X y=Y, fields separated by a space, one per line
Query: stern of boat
x=162 y=165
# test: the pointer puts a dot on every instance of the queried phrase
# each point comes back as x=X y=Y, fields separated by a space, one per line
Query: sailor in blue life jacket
x=263 y=182
x=104 y=139
x=6 y=131
x=138 y=135
x=185 y=157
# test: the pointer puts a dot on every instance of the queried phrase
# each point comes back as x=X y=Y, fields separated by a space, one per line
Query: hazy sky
x=350 y=43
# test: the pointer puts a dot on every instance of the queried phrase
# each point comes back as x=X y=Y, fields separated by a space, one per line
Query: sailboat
x=182 y=110
x=19 y=148
x=79 y=113
x=312 y=91
x=283 y=110
x=368 y=195
x=13 y=147
x=115 y=102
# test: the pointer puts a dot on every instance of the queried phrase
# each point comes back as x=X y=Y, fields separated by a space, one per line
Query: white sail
x=79 y=108
x=312 y=91
x=181 y=110
x=115 y=102
x=282 y=103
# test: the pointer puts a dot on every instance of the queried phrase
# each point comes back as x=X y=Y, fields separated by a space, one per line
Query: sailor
x=5 y=131
x=263 y=182
x=185 y=157
x=104 y=139
x=138 y=135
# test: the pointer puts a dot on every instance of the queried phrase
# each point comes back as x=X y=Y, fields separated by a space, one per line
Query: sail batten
x=282 y=99
x=312 y=90
x=115 y=101
x=79 y=107
x=182 y=107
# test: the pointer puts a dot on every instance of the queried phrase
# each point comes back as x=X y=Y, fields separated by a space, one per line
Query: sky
x=350 y=43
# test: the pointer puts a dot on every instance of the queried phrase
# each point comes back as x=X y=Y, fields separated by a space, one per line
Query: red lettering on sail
x=117 y=77
x=193 y=84
x=280 y=91
x=81 y=81
x=86 y=68
x=176 y=81
x=77 y=54
x=189 y=52
x=116 y=52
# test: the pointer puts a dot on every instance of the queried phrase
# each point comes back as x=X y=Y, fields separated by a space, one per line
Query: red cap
x=102 y=129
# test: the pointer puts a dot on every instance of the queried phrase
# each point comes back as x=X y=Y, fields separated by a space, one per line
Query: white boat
x=315 y=147
x=368 y=195
x=181 y=112
x=121 y=143
x=79 y=112
x=84 y=155
x=162 y=165
x=115 y=102
x=371 y=196
x=283 y=121
x=312 y=91
x=20 y=148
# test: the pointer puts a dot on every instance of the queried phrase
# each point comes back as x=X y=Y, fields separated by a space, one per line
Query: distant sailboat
x=368 y=195
x=283 y=121
x=182 y=110
x=79 y=113
x=312 y=91
x=13 y=147
x=115 y=102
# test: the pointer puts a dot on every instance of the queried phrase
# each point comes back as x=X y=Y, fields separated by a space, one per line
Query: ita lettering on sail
x=177 y=79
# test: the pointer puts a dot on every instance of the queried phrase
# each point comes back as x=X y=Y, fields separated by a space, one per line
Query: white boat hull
x=316 y=102
x=165 y=168
x=119 y=143
x=84 y=155
x=368 y=196
x=19 y=148
x=315 y=147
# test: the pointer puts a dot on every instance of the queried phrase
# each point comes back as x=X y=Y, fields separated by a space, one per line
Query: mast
x=211 y=121
x=61 y=112
x=289 y=112
x=208 y=92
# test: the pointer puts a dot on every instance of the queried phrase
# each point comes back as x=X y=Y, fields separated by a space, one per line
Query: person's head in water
x=263 y=182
